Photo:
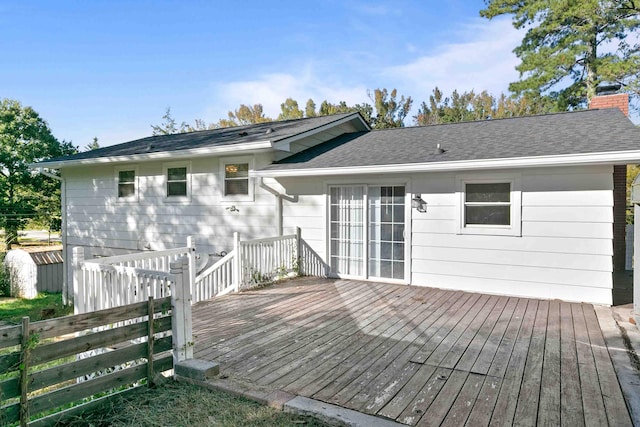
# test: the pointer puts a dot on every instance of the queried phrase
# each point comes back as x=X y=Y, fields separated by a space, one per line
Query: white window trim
x=224 y=161
x=165 y=168
x=515 y=228
x=136 y=183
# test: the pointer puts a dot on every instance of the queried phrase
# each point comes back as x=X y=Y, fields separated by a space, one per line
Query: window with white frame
x=490 y=205
x=126 y=183
x=177 y=181
x=235 y=179
x=487 y=203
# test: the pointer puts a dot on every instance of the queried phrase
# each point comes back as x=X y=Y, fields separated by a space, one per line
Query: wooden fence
x=41 y=368
x=51 y=364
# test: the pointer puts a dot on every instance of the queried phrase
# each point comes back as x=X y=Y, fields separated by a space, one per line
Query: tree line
x=386 y=110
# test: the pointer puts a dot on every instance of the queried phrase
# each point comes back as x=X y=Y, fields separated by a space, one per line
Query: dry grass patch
x=178 y=404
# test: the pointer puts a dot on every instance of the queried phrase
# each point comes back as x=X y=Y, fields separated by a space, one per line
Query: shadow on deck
x=420 y=356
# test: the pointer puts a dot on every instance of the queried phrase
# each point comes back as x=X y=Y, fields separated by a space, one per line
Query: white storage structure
x=33 y=270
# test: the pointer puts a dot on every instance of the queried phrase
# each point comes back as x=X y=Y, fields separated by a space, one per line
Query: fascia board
x=161 y=155
x=622 y=157
x=284 y=144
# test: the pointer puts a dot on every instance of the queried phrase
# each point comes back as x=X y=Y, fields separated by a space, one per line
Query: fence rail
x=101 y=286
x=263 y=259
x=124 y=279
x=215 y=280
x=31 y=387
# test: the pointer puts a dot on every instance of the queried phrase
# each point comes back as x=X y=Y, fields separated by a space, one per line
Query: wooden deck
x=420 y=356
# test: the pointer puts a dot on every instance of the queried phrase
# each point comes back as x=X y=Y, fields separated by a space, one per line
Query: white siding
x=565 y=250
x=97 y=220
x=308 y=211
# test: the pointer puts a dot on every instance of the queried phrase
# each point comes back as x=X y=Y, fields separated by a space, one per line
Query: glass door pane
x=346 y=224
x=386 y=232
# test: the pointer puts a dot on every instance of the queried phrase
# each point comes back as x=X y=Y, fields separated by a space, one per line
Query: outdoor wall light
x=418 y=204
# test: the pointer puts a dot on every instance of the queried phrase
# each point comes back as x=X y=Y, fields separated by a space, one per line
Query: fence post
x=78 y=280
x=181 y=311
x=192 y=266
x=150 y=340
x=298 y=259
x=237 y=264
x=25 y=359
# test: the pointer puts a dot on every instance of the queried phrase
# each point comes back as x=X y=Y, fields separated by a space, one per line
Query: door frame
x=407 y=225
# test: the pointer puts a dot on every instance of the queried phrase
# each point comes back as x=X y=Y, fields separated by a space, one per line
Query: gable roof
x=223 y=140
x=588 y=136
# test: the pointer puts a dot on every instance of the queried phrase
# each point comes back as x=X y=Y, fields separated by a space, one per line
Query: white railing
x=216 y=280
x=124 y=279
x=102 y=286
x=263 y=260
x=310 y=263
x=109 y=282
x=151 y=260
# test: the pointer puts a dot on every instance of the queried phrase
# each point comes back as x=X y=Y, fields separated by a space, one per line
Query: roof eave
x=615 y=157
x=249 y=147
x=284 y=143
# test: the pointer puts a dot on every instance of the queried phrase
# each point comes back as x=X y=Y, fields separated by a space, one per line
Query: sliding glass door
x=367 y=230
x=347 y=229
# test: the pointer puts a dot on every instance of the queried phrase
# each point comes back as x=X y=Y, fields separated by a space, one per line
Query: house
x=530 y=206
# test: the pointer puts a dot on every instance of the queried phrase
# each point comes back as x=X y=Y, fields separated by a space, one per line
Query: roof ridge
x=558 y=113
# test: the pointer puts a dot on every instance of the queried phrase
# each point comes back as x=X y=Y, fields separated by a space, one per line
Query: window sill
x=490 y=231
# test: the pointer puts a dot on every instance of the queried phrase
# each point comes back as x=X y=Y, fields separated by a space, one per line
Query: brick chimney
x=607 y=96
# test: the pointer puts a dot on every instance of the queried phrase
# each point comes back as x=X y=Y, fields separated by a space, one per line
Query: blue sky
x=111 y=68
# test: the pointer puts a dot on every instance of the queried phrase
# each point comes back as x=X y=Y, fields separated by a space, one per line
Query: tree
x=571 y=46
x=290 y=110
x=310 y=108
x=470 y=106
x=26 y=138
x=390 y=112
x=168 y=126
x=245 y=115
x=94 y=145
x=327 y=108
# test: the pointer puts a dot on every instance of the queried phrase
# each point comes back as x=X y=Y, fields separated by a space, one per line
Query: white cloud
x=271 y=90
x=481 y=59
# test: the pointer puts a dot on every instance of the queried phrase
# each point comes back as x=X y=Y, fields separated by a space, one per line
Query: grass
x=179 y=404
x=44 y=306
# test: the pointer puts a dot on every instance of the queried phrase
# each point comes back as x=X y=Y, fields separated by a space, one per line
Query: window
x=490 y=205
x=177 y=177
x=236 y=179
x=235 y=183
x=176 y=182
x=487 y=204
x=126 y=183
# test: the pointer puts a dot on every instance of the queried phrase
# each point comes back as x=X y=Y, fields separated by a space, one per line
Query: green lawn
x=44 y=306
x=183 y=405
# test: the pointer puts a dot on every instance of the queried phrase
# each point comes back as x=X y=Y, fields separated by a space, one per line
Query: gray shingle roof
x=208 y=138
x=589 y=131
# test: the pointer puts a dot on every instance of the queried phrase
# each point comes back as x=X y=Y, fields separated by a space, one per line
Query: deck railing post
x=237 y=262
x=191 y=244
x=298 y=255
x=181 y=324
x=78 y=281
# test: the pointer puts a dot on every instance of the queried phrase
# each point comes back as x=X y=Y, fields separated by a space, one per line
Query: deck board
x=417 y=355
x=571 y=411
x=592 y=401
